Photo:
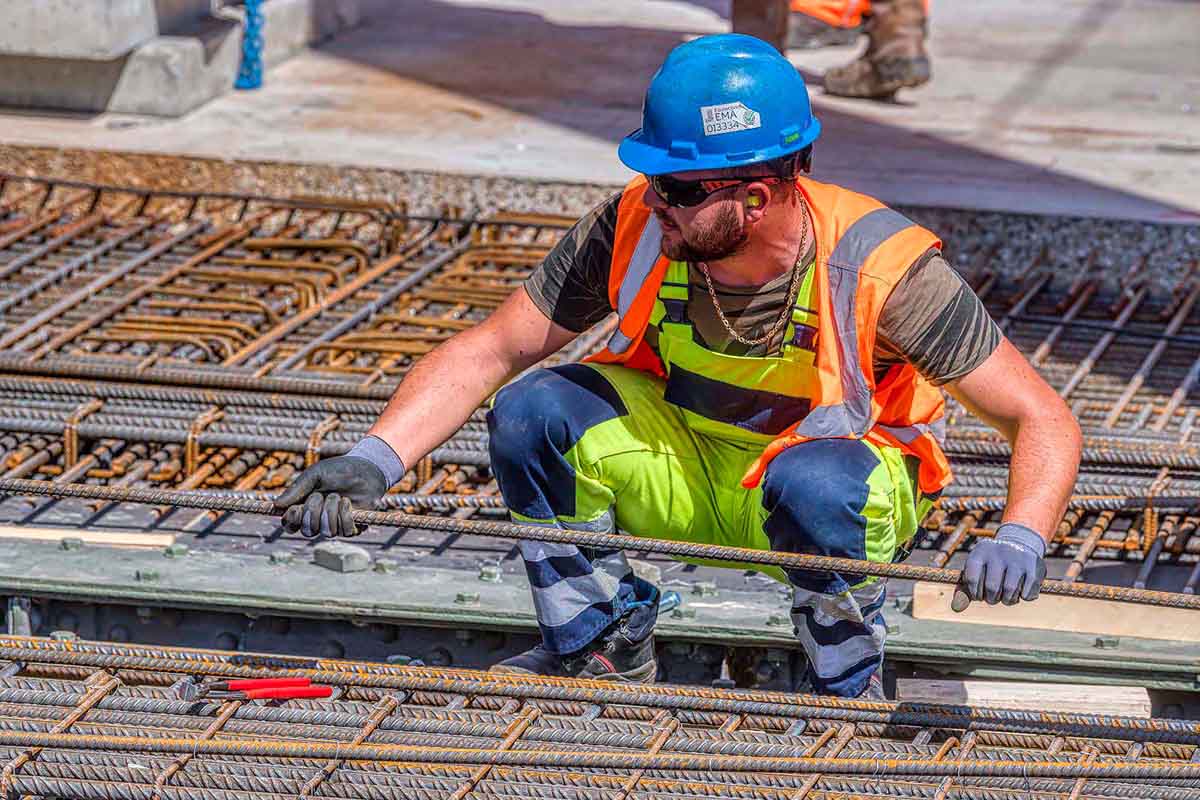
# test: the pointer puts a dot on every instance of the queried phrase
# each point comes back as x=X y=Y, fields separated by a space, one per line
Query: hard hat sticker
x=729 y=117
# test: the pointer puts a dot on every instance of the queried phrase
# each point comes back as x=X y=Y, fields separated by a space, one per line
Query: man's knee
x=814 y=494
x=549 y=408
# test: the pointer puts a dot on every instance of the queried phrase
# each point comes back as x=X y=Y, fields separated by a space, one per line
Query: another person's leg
x=848 y=499
x=583 y=448
x=895 y=57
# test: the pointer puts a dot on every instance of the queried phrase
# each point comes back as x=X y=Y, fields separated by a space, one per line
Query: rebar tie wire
x=508 y=530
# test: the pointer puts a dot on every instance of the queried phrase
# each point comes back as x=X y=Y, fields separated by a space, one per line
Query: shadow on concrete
x=589 y=79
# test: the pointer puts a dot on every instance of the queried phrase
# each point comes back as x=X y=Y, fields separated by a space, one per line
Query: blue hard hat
x=720 y=101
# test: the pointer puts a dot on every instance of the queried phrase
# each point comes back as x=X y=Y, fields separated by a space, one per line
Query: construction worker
x=770 y=383
x=895 y=57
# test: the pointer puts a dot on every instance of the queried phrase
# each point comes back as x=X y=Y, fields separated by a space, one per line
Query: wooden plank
x=1066 y=698
x=110 y=538
x=1057 y=613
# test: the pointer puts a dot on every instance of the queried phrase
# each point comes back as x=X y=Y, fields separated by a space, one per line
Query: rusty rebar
x=587 y=539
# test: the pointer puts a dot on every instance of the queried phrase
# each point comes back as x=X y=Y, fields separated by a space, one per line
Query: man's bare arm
x=1006 y=392
x=442 y=389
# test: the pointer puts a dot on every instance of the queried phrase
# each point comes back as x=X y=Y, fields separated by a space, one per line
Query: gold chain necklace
x=784 y=316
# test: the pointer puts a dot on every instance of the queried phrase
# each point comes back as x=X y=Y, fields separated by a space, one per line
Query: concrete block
x=341 y=557
x=193 y=58
x=171 y=75
x=99 y=30
x=166 y=76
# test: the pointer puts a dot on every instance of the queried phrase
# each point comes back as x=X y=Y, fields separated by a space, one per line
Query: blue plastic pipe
x=250 y=73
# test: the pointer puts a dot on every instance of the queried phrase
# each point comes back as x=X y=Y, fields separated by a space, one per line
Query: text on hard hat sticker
x=729 y=117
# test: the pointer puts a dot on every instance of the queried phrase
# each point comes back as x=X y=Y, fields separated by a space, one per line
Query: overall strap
x=674 y=296
x=801 y=333
x=675 y=293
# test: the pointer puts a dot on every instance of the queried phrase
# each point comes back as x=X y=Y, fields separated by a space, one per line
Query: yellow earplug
x=753 y=201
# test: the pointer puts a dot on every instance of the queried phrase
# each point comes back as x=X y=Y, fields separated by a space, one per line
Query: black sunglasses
x=685 y=194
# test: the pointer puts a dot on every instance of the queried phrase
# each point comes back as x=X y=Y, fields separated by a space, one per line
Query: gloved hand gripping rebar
x=505 y=530
x=321 y=501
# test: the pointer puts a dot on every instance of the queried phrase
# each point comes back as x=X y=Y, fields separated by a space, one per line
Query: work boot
x=874 y=689
x=810 y=33
x=535 y=661
x=613 y=656
x=895 y=57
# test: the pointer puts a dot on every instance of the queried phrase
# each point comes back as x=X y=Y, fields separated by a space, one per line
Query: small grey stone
x=341 y=557
x=646 y=571
x=70 y=543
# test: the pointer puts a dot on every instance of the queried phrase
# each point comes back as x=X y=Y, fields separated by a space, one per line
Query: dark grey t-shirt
x=932 y=320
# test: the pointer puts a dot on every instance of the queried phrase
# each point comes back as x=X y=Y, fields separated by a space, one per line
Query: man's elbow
x=1052 y=420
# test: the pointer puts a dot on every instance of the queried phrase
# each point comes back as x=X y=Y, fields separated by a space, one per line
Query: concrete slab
x=90 y=29
x=165 y=76
x=1091 y=107
x=171 y=74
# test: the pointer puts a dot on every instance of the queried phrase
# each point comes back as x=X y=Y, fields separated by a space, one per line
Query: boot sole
x=890 y=76
x=901 y=73
x=508 y=669
x=647 y=673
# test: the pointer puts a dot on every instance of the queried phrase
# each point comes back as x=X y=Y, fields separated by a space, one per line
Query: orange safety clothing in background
x=838 y=13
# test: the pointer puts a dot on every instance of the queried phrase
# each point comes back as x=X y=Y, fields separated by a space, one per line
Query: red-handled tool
x=252 y=689
x=277 y=693
x=253 y=683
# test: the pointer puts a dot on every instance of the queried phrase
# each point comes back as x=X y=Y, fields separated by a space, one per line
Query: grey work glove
x=320 y=501
x=1005 y=568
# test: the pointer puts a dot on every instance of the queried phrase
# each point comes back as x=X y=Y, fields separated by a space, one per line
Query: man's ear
x=757 y=198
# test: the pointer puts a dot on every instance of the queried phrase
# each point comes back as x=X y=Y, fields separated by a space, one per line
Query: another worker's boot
x=895 y=57
x=623 y=653
x=809 y=33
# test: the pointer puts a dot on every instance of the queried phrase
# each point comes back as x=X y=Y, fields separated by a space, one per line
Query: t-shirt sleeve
x=570 y=286
x=936 y=322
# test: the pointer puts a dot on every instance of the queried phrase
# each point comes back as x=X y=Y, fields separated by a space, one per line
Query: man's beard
x=725 y=237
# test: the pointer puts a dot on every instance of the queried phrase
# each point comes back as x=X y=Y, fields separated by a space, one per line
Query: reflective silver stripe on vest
x=640 y=265
x=909 y=433
x=851 y=417
x=906 y=434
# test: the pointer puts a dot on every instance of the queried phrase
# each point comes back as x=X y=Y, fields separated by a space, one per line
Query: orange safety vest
x=863 y=250
x=838 y=13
